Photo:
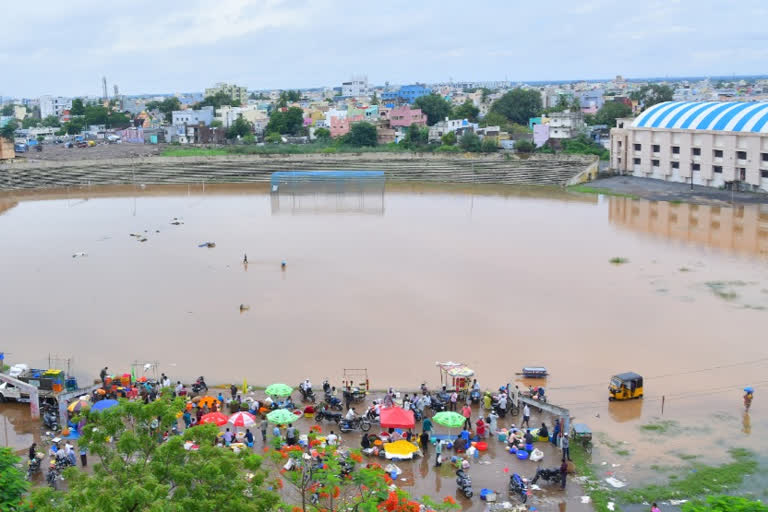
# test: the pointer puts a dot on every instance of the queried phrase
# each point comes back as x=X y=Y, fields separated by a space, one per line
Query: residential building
x=193 y=117
x=591 y=101
x=706 y=143
x=53 y=105
x=338 y=126
x=406 y=116
x=19 y=112
x=356 y=86
x=251 y=113
x=458 y=126
x=235 y=92
x=385 y=135
x=406 y=93
x=565 y=125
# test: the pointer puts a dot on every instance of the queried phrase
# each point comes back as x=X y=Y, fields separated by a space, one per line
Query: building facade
x=405 y=116
x=707 y=143
x=235 y=92
x=54 y=106
x=357 y=86
x=193 y=117
x=406 y=93
x=565 y=125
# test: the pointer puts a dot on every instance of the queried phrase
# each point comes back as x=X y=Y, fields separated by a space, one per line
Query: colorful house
x=406 y=116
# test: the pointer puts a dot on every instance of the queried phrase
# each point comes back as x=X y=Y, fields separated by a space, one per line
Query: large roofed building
x=711 y=143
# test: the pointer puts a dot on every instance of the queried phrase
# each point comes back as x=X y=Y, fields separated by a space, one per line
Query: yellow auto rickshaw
x=625 y=386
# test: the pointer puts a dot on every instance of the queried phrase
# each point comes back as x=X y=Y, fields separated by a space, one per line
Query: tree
x=136 y=472
x=610 y=111
x=323 y=134
x=8 y=131
x=216 y=124
x=375 y=99
x=524 y=146
x=575 y=104
x=489 y=145
x=239 y=128
x=434 y=106
x=217 y=101
x=416 y=137
x=166 y=107
x=361 y=134
x=563 y=103
x=30 y=122
x=78 y=108
x=273 y=138
x=7 y=110
x=449 y=139
x=13 y=485
x=518 y=105
x=74 y=126
x=470 y=142
x=290 y=122
x=51 y=122
x=466 y=110
x=118 y=120
x=495 y=119
x=651 y=94
x=725 y=504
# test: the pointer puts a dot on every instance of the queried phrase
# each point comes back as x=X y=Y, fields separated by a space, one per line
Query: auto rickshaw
x=625 y=386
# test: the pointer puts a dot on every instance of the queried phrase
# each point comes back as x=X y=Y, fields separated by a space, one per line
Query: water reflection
x=742 y=228
x=625 y=410
x=327 y=195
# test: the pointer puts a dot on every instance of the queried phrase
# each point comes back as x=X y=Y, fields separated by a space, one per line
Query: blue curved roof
x=728 y=116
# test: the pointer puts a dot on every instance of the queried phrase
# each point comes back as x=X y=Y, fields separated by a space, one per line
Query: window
x=718 y=169
x=695 y=167
x=765 y=157
x=696 y=151
x=655 y=163
x=675 y=150
x=619 y=144
x=638 y=147
x=636 y=161
x=675 y=165
x=656 y=148
x=764 y=174
x=741 y=155
x=718 y=153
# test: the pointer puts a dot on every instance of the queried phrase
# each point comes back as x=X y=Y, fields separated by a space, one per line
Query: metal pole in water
x=662 y=404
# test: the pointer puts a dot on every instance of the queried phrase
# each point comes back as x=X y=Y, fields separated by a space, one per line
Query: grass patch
x=703 y=480
x=593 y=486
x=659 y=427
x=687 y=456
x=280 y=149
x=585 y=189
x=623 y=452
x=724 y=289
x=684 y=269
x=618 y=260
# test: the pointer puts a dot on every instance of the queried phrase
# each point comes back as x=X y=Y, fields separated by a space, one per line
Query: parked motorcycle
x=325 y=414
x=464 y=482
x=33 y=466
x=52 y=476
x=438 y=404
x=475 y=396
x=358 y=422
x=517 y=485
x=62 y=463
x=333 y=402
x=551 y=475
x=51 y=419
x=200 y=386
x=307 y=395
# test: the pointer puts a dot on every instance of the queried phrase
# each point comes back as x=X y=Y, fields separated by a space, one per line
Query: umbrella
x=749 y=389
x=79 y=405
x=281 y=417
x=279 y=390
x=449 y=419
x=103 y=404
x=400 y=449
x=214 y=417
x=242 y=419
x=207 y=400
x=395 y=417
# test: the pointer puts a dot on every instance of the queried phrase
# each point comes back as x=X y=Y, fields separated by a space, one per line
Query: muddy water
x=498 y=278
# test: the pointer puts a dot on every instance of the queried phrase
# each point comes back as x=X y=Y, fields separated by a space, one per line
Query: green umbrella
x=279 y=390
x=449 y=419
x=281 y=417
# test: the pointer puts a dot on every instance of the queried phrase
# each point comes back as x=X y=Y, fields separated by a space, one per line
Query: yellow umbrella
x=78 y=405
x=400 y=449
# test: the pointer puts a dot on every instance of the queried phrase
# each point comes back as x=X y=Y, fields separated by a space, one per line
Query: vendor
x=543 y=432
x=528 y=437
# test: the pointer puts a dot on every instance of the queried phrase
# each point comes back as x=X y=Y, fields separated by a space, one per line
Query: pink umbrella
x=242 y=419
x=214 y=417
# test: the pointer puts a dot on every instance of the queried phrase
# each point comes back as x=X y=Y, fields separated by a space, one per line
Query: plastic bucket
x=502 y=436
x=529 y=447
x=481 y=446
x=522 y=454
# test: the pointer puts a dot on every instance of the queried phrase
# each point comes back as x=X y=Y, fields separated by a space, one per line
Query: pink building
x=340 y=125
x=406 y=116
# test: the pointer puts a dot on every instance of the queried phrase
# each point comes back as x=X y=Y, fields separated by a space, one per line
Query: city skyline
x=275 y=44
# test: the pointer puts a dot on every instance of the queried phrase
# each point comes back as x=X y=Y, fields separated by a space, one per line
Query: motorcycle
x=51 y=419
x=517 y=485
x=33 y=466
x=464 y=482
x=424 y=390
x=357 y=422
x=325 y=414
x=438 y=404
x=371 y=415
x=200 y=386
x=475 y=396
x=333 y=402
x=551 y=475
x=52 y=476
x=307 y=395
x=62 y=463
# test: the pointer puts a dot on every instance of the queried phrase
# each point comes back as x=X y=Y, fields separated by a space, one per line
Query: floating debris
x=80 y=254
x=244 y=307
x=209 y=245
x=618 y=260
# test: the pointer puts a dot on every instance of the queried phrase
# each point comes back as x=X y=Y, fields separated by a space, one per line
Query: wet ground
x=392 y=281
x=102 y=151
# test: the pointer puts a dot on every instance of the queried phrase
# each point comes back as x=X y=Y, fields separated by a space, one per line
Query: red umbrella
x=395 y=417
x=214 y=417
x=242 y=419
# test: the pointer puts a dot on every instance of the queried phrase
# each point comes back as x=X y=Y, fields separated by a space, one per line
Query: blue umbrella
x=749 y=389
x=103 y=404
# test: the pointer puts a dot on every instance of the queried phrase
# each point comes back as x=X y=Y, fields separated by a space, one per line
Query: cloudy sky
x=153 y=46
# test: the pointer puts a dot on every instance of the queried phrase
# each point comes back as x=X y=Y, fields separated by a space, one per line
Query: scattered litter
x=677 y=502
x=391 y=468
x=177 y=221
x=209 y=245
x=403 y=479
x=615 y=483
x=615 y=465
x=244 y=307
x=81 y=254
x=535 y=487
x=585 y=499
x=536 y=455
x=611 y=505
x=603 y=463
x=143 y=239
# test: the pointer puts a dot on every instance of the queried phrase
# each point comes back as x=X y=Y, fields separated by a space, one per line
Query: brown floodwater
x=394 y=280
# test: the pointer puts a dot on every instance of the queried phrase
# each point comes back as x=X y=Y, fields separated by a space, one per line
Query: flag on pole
x=245 y=387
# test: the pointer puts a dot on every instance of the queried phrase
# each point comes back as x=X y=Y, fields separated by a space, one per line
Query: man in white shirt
x=179 y=387
x=332 y=439
x=350 y=414
x=526 y=416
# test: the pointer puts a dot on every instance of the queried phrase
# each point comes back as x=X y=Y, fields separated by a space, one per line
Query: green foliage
x=323 y=134
x=585 y=189
x=30 y=122
x=166 y=107
x=448 y=149
x=466 y=110
x=725 y=504
x=273 y=138
x=583 y=145
x=470 y=142
x=375 y=99
x=289 y=122
x=563 y=103
x=51 y=122
x=13 y=485
x=217 y=101
x=239 y=128
x=8 y=130
x=361 y=134
x=216 y=124
x=610 y=111
x=416 y=137
x=434 y=106
x=78 y=107
x=525 y=146
x=651 y=94
x=518 y=105
x=449 y=139
x=136 y=472
x=74 y=126
x=7 y=110
x=489 y=145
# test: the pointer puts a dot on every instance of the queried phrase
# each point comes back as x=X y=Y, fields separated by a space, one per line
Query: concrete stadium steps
x=159 y=170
